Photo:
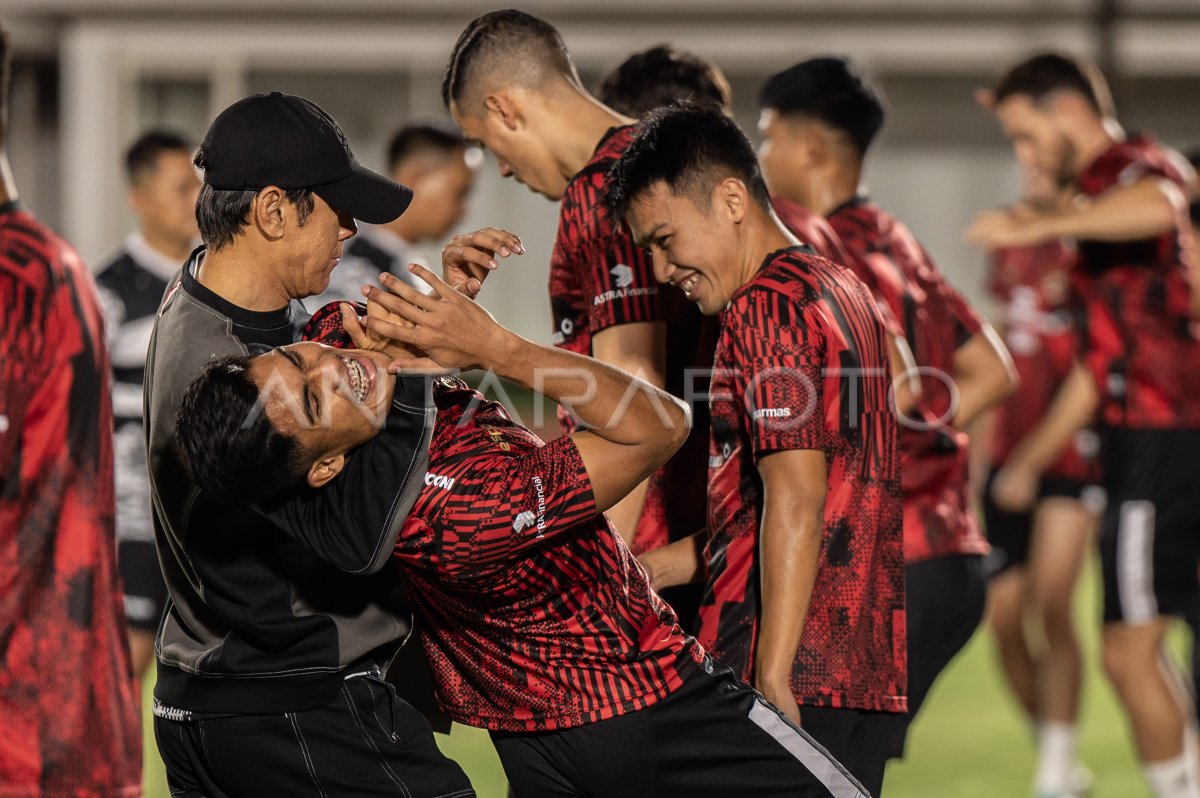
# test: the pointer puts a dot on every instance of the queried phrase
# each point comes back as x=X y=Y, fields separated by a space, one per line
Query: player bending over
x=538 y=622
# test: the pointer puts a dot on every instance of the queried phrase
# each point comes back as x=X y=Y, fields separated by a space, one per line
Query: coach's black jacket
x=260 y=621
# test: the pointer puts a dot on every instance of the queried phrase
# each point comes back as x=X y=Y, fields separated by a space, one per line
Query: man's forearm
x=1147 y=208
x=790 y=548
x=1071 y=410
x=613 y=403
x=983 y=373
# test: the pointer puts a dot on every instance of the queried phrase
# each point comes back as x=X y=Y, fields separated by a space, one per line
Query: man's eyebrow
x=295 y=361
x=644 y=241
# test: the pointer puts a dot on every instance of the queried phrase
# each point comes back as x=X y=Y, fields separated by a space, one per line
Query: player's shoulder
x=1130 y=159
x=788 y=279
x=32 y=253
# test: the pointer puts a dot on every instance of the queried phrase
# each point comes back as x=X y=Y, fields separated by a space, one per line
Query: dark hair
x=142 y=155
x=689 y=147
x=228 y=445
x=660 y=76
x=221 y=213
x=832 y=91
x=522 y=40
x=5 y=75
x=413 y=140
x=1046 y=73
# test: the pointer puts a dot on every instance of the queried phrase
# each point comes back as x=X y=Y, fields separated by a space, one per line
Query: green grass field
x=970 y=741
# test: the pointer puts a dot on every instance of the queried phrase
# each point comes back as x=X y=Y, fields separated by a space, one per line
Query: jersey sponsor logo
x=773 y=412
x=524 y=521
x=623 y=293
x=623 y=275
x=439 y=481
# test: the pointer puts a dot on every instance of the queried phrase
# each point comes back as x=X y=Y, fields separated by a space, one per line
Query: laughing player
x=805 y=593
x=536 y=618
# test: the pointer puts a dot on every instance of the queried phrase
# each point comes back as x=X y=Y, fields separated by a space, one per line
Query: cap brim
x=367 y=196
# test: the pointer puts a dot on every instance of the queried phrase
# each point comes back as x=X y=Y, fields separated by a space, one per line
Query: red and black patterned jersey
x=532 y=611
x=936 y=321
x=599 y=278
x=69 y=723
x=1033 y=285
x=811 y=228
x=803 y=364
x=1140 y=344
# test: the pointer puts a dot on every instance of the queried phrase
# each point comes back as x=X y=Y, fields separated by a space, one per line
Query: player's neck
x=584 y=121
x=1095 y=140
x=8 y=187
x=764 y=234
x=236 y=274
x=835 y=188
x=171 y=246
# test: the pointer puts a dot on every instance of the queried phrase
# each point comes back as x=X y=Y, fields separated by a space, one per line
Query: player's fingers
x=463 y=253
x=440 y=289
x=395 y=306
x=409 y=294
x=498 y=241
x=411 y=336
x=353 y=327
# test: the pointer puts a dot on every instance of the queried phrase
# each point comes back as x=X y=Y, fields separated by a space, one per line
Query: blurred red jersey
x=68 y=719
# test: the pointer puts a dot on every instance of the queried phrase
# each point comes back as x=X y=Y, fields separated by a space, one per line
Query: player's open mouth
x=360 y=376
x=688 y=285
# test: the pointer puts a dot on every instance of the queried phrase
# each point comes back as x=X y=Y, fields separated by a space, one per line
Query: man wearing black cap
x=270 y=656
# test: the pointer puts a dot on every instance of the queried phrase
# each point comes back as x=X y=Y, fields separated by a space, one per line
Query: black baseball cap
x=287 y=141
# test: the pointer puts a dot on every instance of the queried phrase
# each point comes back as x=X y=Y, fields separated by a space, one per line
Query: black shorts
x=143 y=585
x=714 y=736
x=1150 y=532
x=945 y=598
x=366 y=742
x=1010 y=533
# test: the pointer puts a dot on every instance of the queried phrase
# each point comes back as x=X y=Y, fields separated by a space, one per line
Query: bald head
x=504 y=49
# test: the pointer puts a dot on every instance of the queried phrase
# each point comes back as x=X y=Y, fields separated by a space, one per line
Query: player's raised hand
x=454 y=331
x=468 y=258
x=993 y=230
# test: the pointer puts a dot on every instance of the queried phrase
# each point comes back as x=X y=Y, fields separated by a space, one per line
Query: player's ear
x=500 y=105
x=268 y=211
x=325 y=469
x=731 y=197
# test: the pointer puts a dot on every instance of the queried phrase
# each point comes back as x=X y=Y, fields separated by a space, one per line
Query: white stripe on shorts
x=1135 y=562
x=814 y=758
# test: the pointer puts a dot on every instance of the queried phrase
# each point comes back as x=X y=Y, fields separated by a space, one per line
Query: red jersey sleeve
x=511 y=504
x=781 y=363
x=619 y=285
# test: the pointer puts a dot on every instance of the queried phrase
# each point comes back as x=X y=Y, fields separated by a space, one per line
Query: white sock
x=1171 y=778
x=1057 y=744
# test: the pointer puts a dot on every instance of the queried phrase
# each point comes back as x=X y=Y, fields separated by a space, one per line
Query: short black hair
x=222 y=213
x=413 y=140
x=228 y=445
x=831 y=90
x=5 y=77
x=660 y=76
x=689 y=147
x=142 y=155
x=525 y=43
x=1046 y=73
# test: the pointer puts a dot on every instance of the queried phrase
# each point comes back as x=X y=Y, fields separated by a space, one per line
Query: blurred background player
x=69 y=722
x=1140 y=376
x=1037 y=554
x=440 y=167
x=818 y=121
x=805 y=593
x=163 y=187
x=512 y=87
x=664 y=75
